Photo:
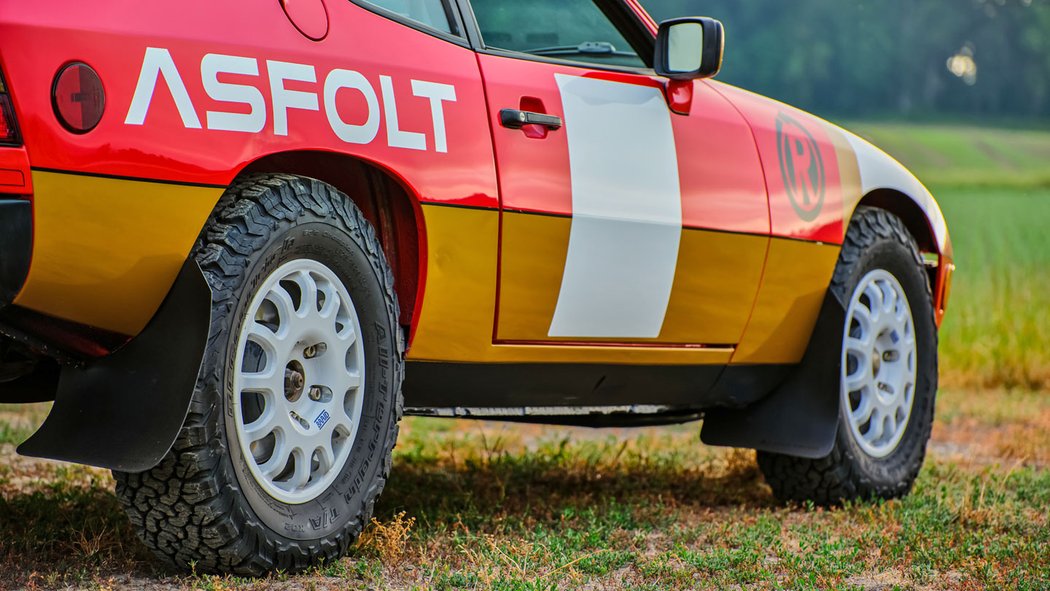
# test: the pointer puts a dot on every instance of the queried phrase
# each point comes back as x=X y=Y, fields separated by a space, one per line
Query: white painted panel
x=626 y=210
x=878 y=170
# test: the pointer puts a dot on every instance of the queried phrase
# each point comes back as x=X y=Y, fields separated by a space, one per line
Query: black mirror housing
x=710 y=48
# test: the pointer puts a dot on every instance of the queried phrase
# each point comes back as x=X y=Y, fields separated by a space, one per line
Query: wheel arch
x=928 y=228
x=387 y=200
x=908 y=210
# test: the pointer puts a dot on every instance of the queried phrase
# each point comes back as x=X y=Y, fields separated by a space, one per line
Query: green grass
x=473 y=505
x=965 y=155
x=997 y=329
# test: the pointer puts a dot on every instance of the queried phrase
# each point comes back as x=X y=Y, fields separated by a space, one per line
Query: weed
x=387 y=540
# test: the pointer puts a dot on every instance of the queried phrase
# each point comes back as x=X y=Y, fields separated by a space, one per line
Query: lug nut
x=295 y=417
x=315 y=393
x=314 y=350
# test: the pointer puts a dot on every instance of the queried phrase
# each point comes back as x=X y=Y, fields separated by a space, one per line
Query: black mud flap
x=125 y=410
x=799 y=418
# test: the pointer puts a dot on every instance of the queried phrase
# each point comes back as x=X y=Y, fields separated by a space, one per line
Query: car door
x=623 y=222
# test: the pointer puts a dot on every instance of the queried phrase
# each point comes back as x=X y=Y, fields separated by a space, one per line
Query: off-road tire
x=875 y=239
x=193 y=509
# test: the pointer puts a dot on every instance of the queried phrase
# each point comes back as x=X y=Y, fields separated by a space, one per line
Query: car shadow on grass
x=538 y=488
x=62 y=525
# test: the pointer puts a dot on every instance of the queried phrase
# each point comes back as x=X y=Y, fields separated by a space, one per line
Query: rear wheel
x=288 y=439
x=888 y=367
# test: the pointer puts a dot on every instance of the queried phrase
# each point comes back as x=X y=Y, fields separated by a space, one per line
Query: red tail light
x=8 y=127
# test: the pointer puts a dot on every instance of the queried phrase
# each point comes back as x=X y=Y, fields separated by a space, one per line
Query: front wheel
x=888 y=372
x=288 y=439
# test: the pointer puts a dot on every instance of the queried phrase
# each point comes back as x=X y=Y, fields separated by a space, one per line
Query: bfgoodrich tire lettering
x=201 y=506
x=875 y=239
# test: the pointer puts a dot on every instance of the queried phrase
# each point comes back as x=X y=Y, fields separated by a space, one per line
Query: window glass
x=575 y=30
x=428 y=12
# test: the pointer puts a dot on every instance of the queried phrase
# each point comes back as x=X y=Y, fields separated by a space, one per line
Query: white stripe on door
x=626 y=210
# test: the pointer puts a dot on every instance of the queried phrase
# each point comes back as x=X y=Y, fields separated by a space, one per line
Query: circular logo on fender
x=801 y=167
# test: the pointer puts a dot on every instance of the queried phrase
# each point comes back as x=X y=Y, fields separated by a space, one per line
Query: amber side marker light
x=78 y=97
x=8 y=128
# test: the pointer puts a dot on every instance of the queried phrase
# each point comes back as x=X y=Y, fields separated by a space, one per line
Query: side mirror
x=689 y=48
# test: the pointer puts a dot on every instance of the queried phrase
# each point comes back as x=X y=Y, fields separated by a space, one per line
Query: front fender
x=880 y=172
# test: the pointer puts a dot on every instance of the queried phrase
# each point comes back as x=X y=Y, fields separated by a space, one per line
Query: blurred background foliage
x=918 y=59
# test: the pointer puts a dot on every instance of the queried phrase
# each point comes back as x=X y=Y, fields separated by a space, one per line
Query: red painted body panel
x=802 y=211
x=114 y=40
x=719 y=177
x=197 y=101
x=720 y=172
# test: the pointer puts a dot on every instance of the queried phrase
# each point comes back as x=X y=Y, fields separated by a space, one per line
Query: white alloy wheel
x=878 y=363
x=299 y=381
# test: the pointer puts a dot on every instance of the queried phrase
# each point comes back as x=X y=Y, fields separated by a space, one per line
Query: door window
x=574 y=30
x=432 y=13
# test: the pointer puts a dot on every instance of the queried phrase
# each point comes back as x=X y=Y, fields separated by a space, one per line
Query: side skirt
x=503 y=385
x=592 y=395
x=579 y=416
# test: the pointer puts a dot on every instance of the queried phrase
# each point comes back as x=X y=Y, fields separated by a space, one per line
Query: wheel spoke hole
x=865 y=427
x=339 y=438
x=294 y=291
x=851 y=365
x=283 y=479
x=297 y=418
x=268 y=315
x=322 y=297
x=263 y=449
x=252 y=406
x=855 y=400
x=254 y=360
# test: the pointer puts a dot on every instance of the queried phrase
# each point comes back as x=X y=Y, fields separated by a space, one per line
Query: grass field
x=997 y=331
x=994 y=188
x=966 y=155
x=475 y=505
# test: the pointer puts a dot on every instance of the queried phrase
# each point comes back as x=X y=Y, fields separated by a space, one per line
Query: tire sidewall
x=327 y=242
x=887 y=473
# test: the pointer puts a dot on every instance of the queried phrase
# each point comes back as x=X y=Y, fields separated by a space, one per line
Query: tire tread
x=184 y=508
x=837 y=477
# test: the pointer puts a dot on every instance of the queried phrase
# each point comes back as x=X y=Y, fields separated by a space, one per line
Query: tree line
x=875 y=58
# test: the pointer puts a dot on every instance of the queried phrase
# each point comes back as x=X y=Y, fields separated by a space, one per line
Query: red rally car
x=238 y=240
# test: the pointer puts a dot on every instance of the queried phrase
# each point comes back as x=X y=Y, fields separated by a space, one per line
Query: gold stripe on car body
x=849 y=173
x=711 y=297
x=106 y=250
x=455 y=323
x=796 y=278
